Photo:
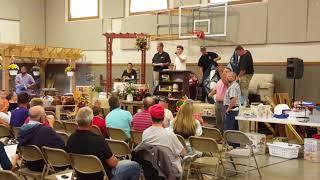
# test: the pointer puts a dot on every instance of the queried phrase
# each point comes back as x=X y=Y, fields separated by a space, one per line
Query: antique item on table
x=165 y=78
x=280 y=111
x=175 y=87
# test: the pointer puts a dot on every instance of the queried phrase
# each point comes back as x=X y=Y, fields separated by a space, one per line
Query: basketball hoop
x=199 y=34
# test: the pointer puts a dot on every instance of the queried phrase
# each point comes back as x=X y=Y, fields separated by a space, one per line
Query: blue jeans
x=126 y=170
x=230 y=122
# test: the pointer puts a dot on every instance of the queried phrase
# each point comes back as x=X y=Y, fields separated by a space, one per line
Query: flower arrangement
x=200 y=34
x=13 y=67
x=141 y=43
x=69 y=69
x=35 y=68
x=97 y=89
x=129 y=88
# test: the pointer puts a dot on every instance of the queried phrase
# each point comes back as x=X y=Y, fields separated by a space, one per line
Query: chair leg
x=254 y=157
x=233 y=164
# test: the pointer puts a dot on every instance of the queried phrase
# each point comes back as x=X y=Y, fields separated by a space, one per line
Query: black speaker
x=295 y=68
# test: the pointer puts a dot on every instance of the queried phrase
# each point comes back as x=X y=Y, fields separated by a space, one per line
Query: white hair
x=84 y=117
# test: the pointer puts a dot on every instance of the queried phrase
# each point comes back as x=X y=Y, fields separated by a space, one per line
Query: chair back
x=136 y=137
x=182 y=141
x=64 y=136
x=71 y=127
x=58 y=125
x=31 y=153
x=237 y=137
x=16 y=131
x=51 y=113
x=95 y=129
x=8 y=175
x=118 y=148
x=213 y=133
x=117 y=134
x=56 y=157
x=86 y=164
x=203 y=144
x=4 y=131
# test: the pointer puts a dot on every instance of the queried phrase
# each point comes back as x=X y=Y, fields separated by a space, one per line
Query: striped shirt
x=232 y=92
x=141 y=121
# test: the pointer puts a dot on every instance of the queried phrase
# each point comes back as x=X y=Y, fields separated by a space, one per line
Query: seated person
x=13 y=101
x=37 y=134
x=20 y=114
x=168 y=116
x=157 y=135
x=99 y=121
x=118 y=118
x=142 y=120
x=129 y=74
x=5 y=162
x=50 y=119
x=4 y=105
x=185 y=124
x=83 y=141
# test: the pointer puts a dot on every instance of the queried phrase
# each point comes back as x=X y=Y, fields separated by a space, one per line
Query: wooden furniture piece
x=109 y=40
x=132 y=106
x=173 y=83
x=36 y=52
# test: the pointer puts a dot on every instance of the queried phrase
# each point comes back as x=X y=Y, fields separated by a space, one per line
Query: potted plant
x=141 y=43
x=69 y=71
x=13 y=69
x=35 y=70
x=96 y=90
x=129 y=91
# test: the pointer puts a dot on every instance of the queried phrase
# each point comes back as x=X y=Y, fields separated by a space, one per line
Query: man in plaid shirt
x=232 y=102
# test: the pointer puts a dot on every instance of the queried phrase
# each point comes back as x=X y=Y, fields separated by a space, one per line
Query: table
x=314 y=121
x=132 y=106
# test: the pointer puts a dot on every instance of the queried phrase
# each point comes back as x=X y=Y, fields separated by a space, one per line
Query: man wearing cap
x=157 y=135
x=207 y=62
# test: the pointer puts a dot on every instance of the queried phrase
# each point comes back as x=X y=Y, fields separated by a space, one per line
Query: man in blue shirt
x=118 y=118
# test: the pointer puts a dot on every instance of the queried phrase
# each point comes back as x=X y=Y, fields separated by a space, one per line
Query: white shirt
x=178 y=64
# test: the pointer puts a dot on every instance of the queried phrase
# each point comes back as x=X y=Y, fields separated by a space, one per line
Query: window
x=83 y=9
x=139 y=6
x=236 y=1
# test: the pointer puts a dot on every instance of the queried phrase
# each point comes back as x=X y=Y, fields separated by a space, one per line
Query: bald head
x=36 y=113
x=148 y=102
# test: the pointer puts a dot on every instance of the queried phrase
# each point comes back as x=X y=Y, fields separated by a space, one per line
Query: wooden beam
x=5 y=74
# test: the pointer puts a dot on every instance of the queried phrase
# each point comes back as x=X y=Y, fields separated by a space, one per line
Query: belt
x=219 y=101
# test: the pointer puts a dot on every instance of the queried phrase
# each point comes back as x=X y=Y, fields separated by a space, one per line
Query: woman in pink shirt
x=99 y=121
x=220 y=91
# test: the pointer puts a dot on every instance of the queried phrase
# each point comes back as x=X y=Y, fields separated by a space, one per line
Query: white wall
x=9 y=31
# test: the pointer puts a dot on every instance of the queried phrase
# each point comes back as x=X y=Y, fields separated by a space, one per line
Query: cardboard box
x=312 y=149
x=312 y=156
x=259 y=142
x=311 y=145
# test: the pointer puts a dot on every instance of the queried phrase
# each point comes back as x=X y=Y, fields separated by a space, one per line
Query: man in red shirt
x=142 y=120
x=99 y=121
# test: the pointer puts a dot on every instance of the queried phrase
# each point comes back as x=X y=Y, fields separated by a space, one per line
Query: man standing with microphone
x=180 y=60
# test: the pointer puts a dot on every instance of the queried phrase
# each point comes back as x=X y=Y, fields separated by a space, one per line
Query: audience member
x=168 y=116
x=118 y=118
x=4 y=103
x=99 y=121
x=185 y=124
x=159 y=136
x=220 y=91
x=5 y=162
x=50 y=119
x=142 y=120
x=20 y=114
x=232 y=102
x=83 y=141
x=13 y=101
x=35 y=133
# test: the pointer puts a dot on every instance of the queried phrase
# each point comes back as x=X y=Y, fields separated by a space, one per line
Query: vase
x=70 y=73
x=129 y=97
x=13 y=72
x=36 y=73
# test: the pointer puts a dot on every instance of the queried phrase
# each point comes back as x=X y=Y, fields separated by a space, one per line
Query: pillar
x=5 y=74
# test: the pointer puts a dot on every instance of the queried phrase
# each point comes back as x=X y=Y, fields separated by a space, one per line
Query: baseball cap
x=156 y=111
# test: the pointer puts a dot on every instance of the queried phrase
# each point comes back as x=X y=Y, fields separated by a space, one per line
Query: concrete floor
x=297 y=169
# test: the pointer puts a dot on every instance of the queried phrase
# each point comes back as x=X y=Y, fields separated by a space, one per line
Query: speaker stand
x=294 y=90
